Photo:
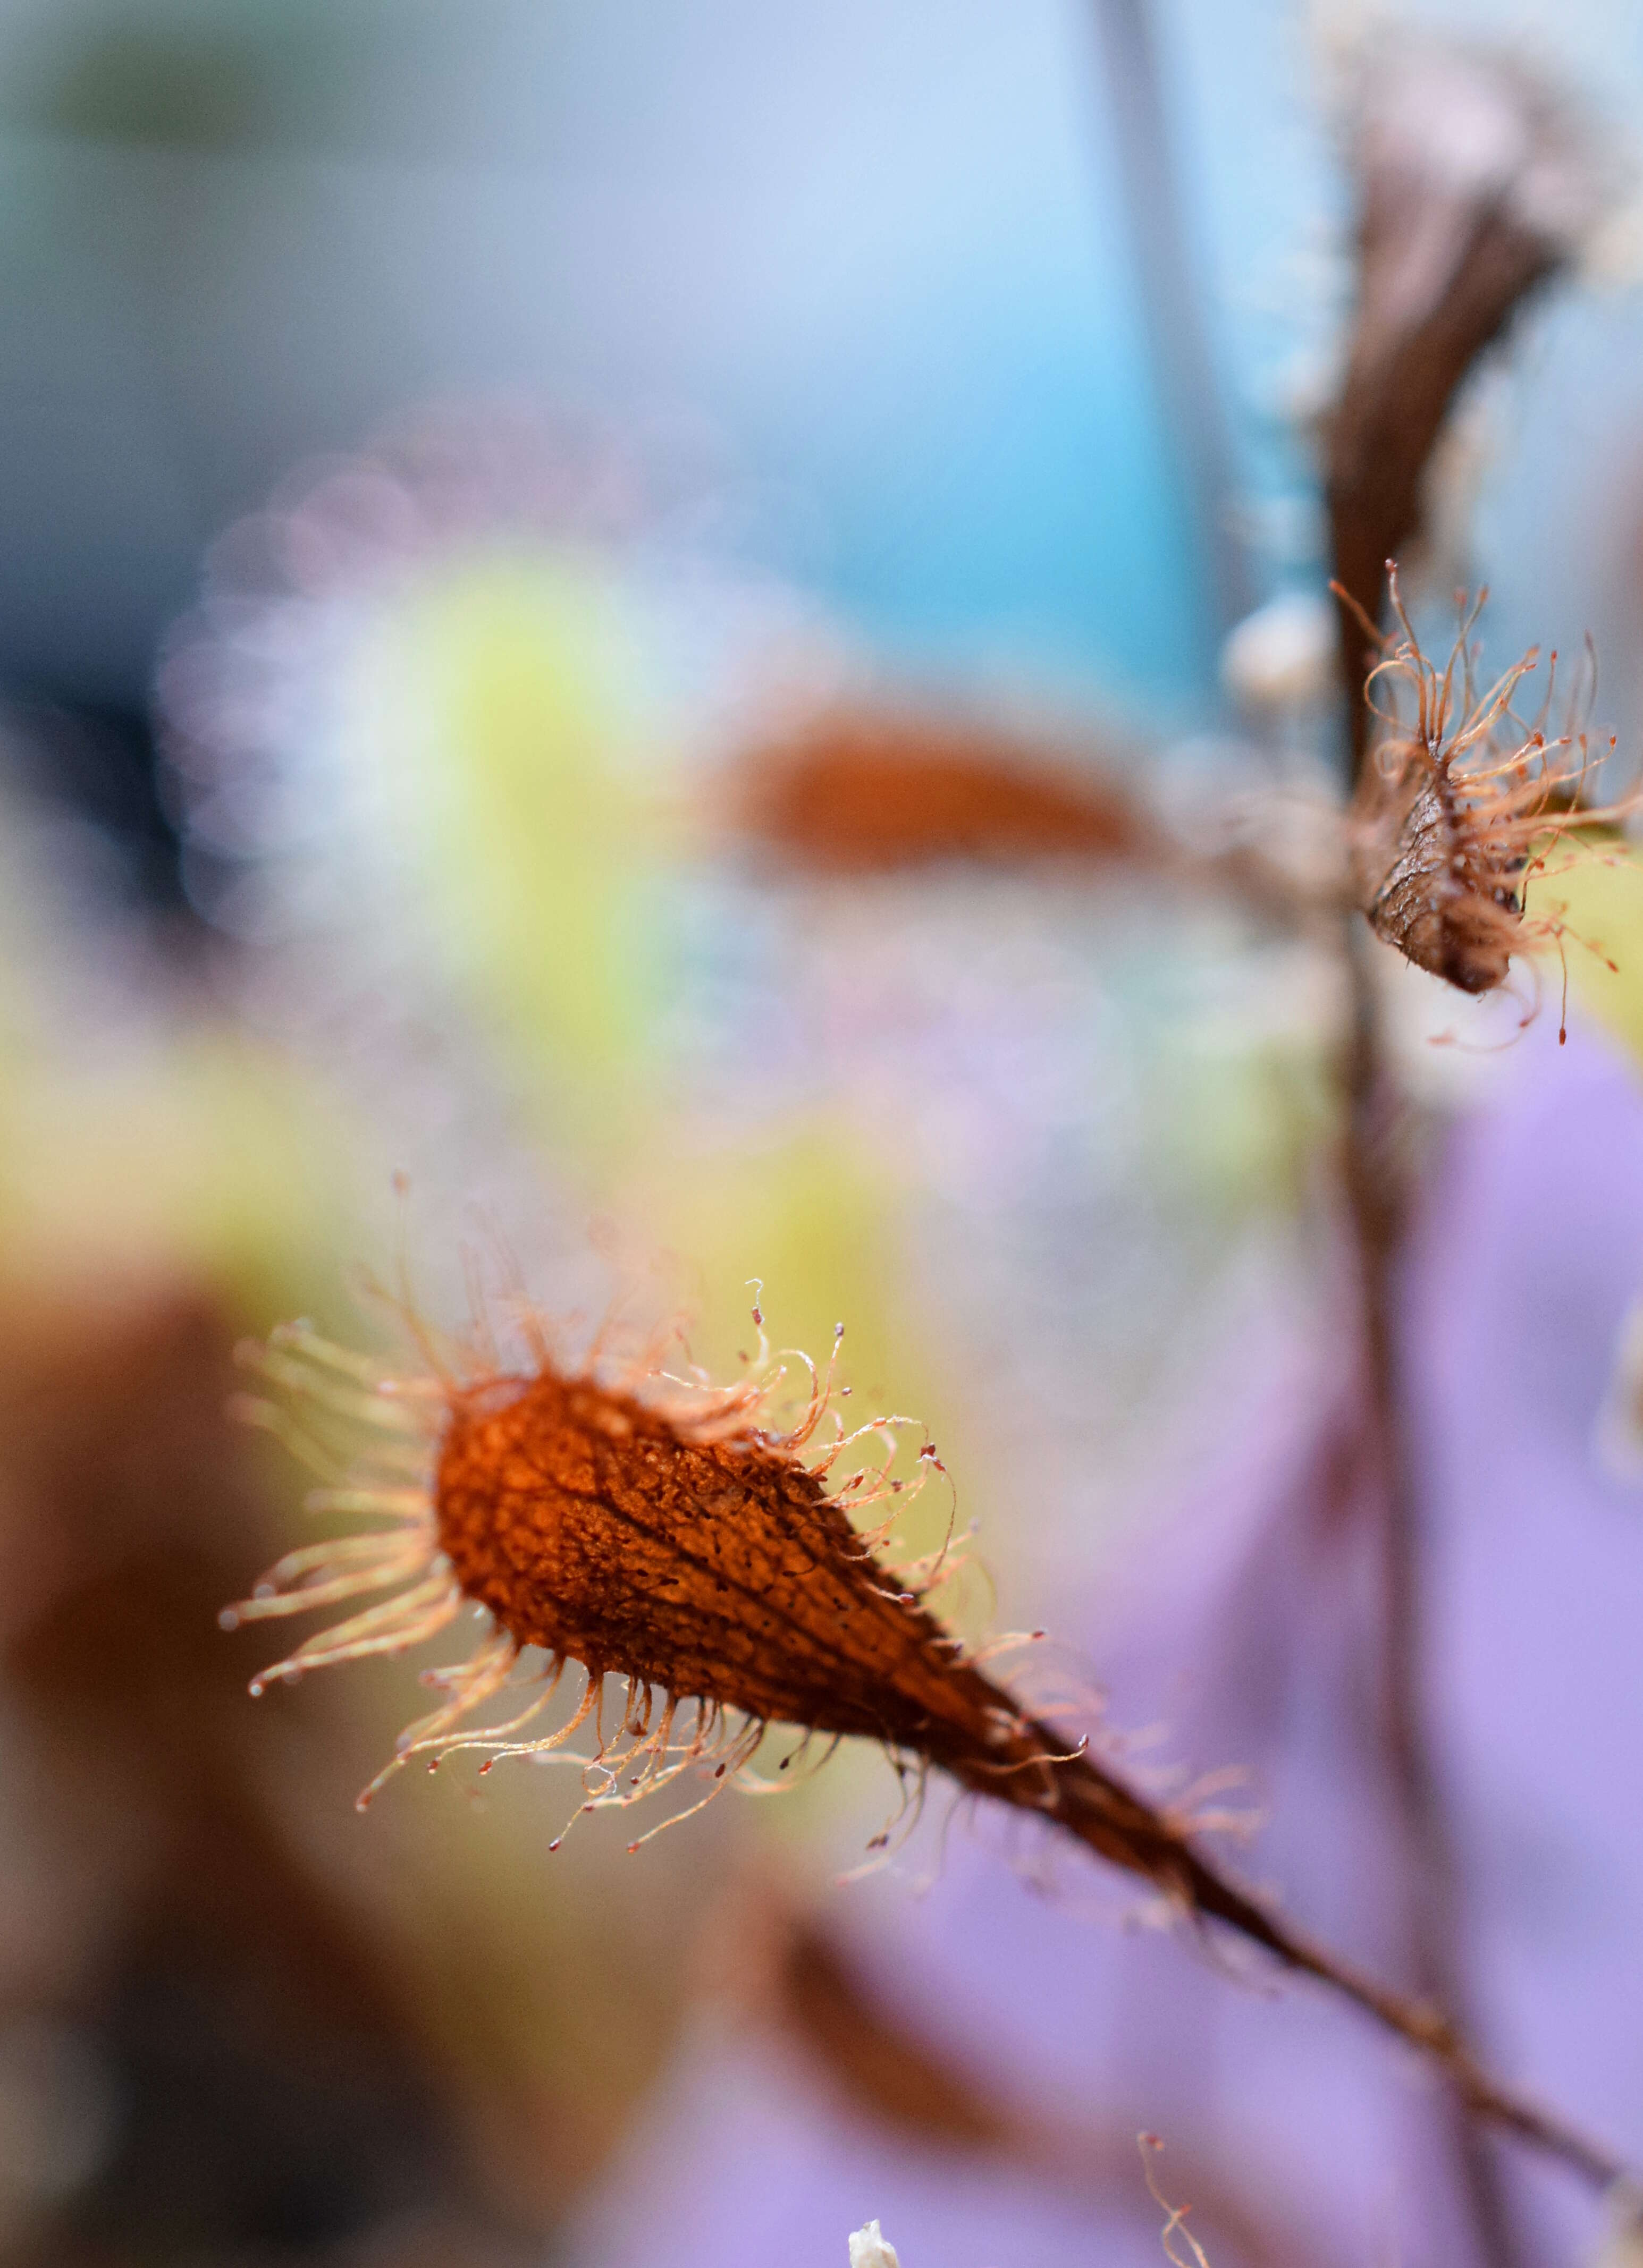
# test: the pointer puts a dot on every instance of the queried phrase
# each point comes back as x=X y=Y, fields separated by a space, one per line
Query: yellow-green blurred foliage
x=504 y=702
x=1604 y=893
x=207 y=1153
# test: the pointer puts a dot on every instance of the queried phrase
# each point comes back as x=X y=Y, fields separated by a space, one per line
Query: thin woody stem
x=1110 y=1819
x=1474 y=188
x=1376 y=1205
x=1427 y=2028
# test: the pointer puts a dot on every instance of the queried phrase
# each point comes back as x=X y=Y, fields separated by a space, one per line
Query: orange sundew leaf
x=683 y=1538
x=861 y=790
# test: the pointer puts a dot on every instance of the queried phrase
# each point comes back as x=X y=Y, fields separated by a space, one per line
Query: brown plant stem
x=1376 y=1203
x=1475 y=187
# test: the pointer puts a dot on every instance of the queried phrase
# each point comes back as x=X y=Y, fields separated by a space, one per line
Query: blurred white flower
x=1282 y=656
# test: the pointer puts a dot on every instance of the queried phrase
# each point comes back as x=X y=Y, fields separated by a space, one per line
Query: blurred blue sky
x=877 y=254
